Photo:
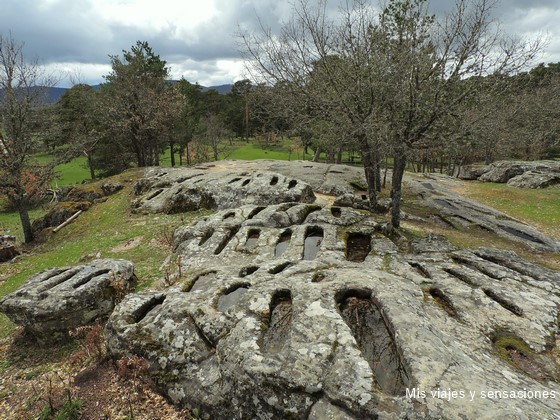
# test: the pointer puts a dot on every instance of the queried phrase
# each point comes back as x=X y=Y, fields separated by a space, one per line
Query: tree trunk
x=330 y=156
x=317 y=154
x=396 y=188
x=246 y=118
x=139 y=157
x=155 y=158
x=378 y=172
x=172 y=153
x=216 y=153
x=370 y=170
x=25 y=222
x=385 y=171
x=339 y=156
x=90 y=165
x=138 y=148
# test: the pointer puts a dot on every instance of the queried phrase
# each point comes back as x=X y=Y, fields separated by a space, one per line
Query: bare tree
x=387 y=75
x=213 y=134
x=23 y=86
x=531 y=124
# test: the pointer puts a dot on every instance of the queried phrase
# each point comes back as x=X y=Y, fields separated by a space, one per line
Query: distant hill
x=223 y=89
x=51 y=94
x=54 y=94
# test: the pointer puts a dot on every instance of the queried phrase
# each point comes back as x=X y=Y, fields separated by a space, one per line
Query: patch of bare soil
x=130 y=244
x=7 y=269
x=526 y=364
x=325 y=200
x=35 y=377
x=108 y=396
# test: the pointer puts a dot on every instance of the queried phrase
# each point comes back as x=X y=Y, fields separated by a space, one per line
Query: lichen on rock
x=55 y=301
x=262 y=329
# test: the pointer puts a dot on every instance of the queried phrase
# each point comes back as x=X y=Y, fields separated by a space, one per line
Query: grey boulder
x=180 y=190
x=522 y=174
x=303 y=311
x=535 y=179
x=8 y=249
x=57 y=300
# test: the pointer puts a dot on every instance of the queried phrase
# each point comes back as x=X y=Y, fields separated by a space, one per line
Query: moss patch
x=518 y=354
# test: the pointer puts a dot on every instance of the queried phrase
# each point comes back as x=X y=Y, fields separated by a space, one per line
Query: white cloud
x=70 y=73
x=156 y=15
x=209 y=73
x=195 y=37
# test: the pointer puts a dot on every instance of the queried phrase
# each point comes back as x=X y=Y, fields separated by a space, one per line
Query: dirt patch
x=32 y=375
x=324 y=200
x=106 y=395
x=130 y=244
x=527 y=365
x=358 y=246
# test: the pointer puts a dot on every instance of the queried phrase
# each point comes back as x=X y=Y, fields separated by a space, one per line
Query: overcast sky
x=195 y=37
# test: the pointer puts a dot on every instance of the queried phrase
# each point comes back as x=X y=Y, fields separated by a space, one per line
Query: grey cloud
x=531 y=4
x=72 y=31
x=54 y=34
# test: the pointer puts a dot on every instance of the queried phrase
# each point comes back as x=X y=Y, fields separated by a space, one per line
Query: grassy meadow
x=110 y=230
x=143 y=239
x=538 y=207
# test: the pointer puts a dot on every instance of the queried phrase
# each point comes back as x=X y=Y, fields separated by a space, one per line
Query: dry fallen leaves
x=32 y=375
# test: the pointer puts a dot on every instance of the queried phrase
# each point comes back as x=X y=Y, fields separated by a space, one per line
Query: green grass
x=69 y=411
x=538 y=207
x=100 y=230
x=10 y=223
x=252 y=151
x=280 y=151
x=243 y=150
x=73 y=172
x=69 y=173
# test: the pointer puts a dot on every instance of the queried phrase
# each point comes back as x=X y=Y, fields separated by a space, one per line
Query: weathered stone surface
x=457 y=210
x=503 y=171
x=8 y=249
x=431 y=243
x=534 y=179
x=88 y=192
x=529 y=174
x=289 y=311
x=328 y=179
x=59 y=214
x=351 y=200
x=472 y=172
x=110 y=188
x=180 y=190
x=80 y=193
x=57 y=300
